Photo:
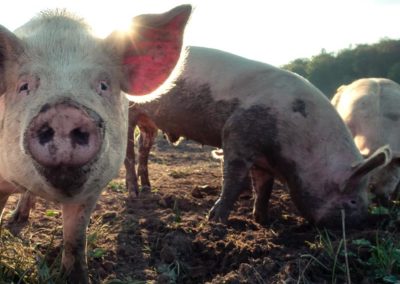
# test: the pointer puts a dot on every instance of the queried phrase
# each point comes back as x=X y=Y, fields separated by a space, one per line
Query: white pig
x=63 y=117
x=272 y=124
x=371 y=109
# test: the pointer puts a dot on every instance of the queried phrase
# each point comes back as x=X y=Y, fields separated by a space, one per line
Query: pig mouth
x=69 y=180
x=335 y=221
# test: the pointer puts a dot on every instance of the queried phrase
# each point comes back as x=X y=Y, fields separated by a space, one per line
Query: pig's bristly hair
x=64 y=13
x=53 y=16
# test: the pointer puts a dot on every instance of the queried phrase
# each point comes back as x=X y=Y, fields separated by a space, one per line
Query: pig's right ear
x=379 y=159
x=10 y=47
x=395 y=158
x=336 y=97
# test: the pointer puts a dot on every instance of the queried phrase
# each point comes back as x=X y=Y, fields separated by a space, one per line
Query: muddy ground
x=164 y=237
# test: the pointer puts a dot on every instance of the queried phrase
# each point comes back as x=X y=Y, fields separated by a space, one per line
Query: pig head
x=370 y=107
x=63 y=117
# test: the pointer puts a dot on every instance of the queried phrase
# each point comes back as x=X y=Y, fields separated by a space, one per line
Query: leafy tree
x=328 y=71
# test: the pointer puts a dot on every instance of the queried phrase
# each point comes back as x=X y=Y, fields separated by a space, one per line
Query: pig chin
x=333 y=218
x=69 y=181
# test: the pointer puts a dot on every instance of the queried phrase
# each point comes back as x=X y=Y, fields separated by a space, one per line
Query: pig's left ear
x=380 y=158
x=150 y=50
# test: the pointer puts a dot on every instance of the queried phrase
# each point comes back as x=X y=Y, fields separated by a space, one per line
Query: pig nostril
x=45 y=134
x=79 y=137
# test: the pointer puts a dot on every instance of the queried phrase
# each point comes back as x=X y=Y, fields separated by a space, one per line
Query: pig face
x=61 y=111
x=62 y=108
x=351 y=195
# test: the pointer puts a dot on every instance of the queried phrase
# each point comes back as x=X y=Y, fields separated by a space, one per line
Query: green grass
x=23 y=263
x=117 y=186
x=373 y=257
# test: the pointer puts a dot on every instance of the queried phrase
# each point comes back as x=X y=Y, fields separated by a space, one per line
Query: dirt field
x=164 y=237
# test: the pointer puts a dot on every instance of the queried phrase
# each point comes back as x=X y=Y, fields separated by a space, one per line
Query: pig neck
x=322 y=168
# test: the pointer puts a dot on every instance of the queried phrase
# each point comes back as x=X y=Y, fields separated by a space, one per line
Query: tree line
x=328 y=71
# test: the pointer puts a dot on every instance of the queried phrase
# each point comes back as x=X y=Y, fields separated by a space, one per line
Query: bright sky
x=272 y=31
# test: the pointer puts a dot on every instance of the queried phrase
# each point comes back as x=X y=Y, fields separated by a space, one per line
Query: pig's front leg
x=75 y=220
x=21 y=214
x=3 y=200
x=238 y=159
x=235 y=179
x=6 y=189
x=241 y=148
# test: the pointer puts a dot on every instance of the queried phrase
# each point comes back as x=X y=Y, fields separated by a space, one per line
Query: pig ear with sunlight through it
x=150 y=51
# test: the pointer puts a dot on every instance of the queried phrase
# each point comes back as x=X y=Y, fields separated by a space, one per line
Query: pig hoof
x=17 y=218
x=145 y=188
x=16 y=223
x=133 y=195
x=218 y=214
x=261 y=219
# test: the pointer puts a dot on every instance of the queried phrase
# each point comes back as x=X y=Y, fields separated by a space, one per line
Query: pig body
x=63 y=118
x=270 y=123
x=371 y=109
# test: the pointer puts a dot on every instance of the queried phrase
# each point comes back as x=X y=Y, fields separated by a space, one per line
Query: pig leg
x=6 y=189
x=235 y=175
x=131 y=181
x=75 y=221
x=239 y=157
x=148 y=133
x=3 y=201
x=20 y=215
x=263 y=184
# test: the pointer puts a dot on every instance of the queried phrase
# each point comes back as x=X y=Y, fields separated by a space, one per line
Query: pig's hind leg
x=148 y=133
x=131 y=180
x=263 y=183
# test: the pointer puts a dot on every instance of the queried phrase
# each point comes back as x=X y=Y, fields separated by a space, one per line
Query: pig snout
x=64 y=135
x=355 y=212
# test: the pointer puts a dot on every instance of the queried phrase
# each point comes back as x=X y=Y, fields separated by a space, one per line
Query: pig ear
x=10 y=47
x=379 y=159
x=150 y=50
x=336 y=97
x=395 y=158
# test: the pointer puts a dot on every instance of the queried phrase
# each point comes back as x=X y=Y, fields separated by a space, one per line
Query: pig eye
x=24 y=88
x=102 y=87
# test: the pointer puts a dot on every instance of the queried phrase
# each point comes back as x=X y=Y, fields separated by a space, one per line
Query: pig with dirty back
x=63 y=117
x=371 y=109
x=272 y=124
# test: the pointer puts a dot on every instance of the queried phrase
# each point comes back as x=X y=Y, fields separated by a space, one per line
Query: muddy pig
x=270 y=123
x=63 y=117
x=371 y=109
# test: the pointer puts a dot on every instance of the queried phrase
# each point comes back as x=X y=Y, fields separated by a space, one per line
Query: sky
x=271 y=31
